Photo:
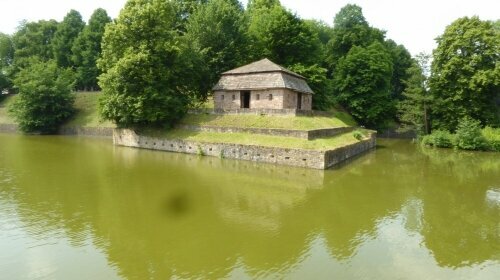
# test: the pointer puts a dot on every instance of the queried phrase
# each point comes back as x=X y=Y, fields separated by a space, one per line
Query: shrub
x=439 y=138
x=492 y=136
x=45 y=99
x=469 y=136
x=358 y=135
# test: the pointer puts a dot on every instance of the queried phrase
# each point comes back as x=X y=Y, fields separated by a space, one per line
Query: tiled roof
x=263 y=74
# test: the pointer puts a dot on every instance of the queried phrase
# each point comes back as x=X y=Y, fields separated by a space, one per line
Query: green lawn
x=86 y=105
x=337 y=119
x=4 y=116
x=260 y=140
x=87 y=113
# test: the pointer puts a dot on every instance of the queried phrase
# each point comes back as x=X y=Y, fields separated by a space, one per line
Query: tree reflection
x=161 y=215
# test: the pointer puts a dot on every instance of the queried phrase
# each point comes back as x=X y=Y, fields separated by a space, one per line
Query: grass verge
x=336 y=119
x=259 y=140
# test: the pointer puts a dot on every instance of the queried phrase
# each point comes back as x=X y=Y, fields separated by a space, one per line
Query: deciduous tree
x=87 y=48
x=281 y=36
x=465 y=80
x=224 y=47
x=67 y=32
x=362 y=84
x=414 y=109
x=33 y=39
x=45 y=99
x=150 y=73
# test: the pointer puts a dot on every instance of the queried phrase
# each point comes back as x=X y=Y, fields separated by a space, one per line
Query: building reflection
x=163 y=215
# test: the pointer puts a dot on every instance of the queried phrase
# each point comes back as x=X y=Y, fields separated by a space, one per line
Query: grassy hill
x=86 y=105
x=87 y=113
x=4 y=103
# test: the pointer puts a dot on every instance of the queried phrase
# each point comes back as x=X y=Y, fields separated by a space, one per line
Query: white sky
x=413 y=23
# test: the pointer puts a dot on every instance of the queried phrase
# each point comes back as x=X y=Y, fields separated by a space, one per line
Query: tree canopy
x=225 y=46
x=465 y=79
x=45 y=99
x=150 y=74
x=33 y=39
x=67 y=32
x=87 y=48
x=281 y=36
x=362 y=82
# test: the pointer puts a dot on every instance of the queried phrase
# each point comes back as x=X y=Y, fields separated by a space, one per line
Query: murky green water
x=79 y=208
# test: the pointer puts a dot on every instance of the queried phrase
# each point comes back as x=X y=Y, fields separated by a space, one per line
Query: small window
x=258 y=96
x=234 y=97
x=270 y=97
x=222 y=97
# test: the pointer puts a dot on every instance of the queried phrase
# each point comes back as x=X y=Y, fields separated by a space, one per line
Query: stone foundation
x=87 y=131
x=270 y=112
x=293 y=157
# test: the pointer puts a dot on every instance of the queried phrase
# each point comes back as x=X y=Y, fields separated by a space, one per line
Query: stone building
x=262 y=85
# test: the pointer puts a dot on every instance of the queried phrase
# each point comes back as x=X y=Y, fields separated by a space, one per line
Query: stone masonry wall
x=292 y=157
x=262 y=99
x=68 y=130
x=341 y=154
x=230 y=101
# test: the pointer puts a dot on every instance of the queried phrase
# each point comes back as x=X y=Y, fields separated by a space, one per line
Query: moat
x=81 y=208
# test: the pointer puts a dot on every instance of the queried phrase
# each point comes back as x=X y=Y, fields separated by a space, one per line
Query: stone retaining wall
x=87 y=131
x=5 y=127
x=303 y=134
x=82 y=131
x=293 y=157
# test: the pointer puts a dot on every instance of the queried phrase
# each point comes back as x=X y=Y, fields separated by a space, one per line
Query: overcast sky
x=414 y=23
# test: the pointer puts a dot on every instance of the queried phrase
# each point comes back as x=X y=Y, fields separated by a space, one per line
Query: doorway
x=299 y=101
x=245 y=99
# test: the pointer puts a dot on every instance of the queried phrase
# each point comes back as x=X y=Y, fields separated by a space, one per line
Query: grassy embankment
x=5 y=101
x=260 y=140
x=86 y=105
x=336 y=118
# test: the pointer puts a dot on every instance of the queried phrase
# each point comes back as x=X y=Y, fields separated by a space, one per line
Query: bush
x=469 y=136
x=45 y=99
x=358 y=135
x=439 y=138
x=492 y=136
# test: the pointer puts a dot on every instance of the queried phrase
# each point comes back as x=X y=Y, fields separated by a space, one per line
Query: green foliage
x=413 y=109
x=6 y=57
x=439 y=138
x=150 y=73
x=402 y=61
x=282 y=37
x=184 y=10
x=350 y=29
x=319 y=83
x=67 y=31
x=492 y=136
x=33 y=39
x=44 y=99
x=362 y=84
x=87 y=48
x=465 y=79
x=6 y=50
x=469 y=136
x=199 y=151
x=358 y=135
x=224 y=47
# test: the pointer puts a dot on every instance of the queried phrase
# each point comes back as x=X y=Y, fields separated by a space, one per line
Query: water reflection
x=162 y=215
